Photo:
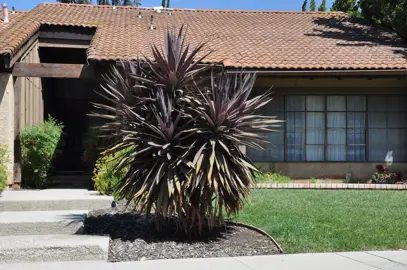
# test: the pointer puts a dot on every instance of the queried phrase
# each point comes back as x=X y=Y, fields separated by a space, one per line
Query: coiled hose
x=250 y=227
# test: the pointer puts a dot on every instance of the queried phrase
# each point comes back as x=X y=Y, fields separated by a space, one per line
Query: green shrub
x=105 y=176
x=3 y=168
x=271 y=177
x=38 y=145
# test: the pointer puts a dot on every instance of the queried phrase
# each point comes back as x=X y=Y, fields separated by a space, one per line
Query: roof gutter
x=324 y=73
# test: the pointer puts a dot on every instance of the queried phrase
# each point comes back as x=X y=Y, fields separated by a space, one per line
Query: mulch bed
x=134 y=238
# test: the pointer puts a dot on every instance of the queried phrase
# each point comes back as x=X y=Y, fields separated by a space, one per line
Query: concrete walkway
x=48 y=226
x=388 y=260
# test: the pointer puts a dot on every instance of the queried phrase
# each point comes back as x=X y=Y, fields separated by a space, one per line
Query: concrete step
x=71 y=181
x=53 y=200
x=42 y=222
x=53 y=248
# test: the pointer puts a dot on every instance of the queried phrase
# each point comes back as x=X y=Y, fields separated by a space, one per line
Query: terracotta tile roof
x=249 y=39
x=13 y=17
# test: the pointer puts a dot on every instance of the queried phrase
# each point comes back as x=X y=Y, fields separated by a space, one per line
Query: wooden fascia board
x=48 y=70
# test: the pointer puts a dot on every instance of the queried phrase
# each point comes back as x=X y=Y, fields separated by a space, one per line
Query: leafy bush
x=383 y=176
x=105 y=175
x=3 y=168
x=187 y=134
x=271 y=177
x=38 y=145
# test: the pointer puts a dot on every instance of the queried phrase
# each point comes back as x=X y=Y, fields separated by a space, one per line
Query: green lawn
x=324 y=220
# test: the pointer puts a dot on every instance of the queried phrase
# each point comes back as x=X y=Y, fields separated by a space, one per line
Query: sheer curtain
x=274 y=150
x=336 y=128
x=356 y=128
x=387 y=121
x=295 y=128
x=305 y=128
x=315 y=128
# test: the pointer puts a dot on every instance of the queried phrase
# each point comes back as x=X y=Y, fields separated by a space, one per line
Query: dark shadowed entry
x=69 y=101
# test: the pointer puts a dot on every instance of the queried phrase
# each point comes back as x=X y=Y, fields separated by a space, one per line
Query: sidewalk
x=388 y=260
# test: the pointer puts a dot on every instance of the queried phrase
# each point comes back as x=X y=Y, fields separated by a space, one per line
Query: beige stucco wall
x=361 y=172
x=339 y=85
x=7 y=119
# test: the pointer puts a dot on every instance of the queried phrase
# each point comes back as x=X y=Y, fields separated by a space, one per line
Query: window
x=305 y=128
x=346 y=128
x=337 y=128
x=295 y=127
x=387 y=127
x=273 y=151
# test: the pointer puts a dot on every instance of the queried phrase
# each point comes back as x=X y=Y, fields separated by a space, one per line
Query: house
x=340 y=85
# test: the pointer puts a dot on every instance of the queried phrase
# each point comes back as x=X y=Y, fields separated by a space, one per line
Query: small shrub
x=383 y=176
x=105 y=176
x=38 y=145
x=314 y=180
x=348 y=176
x=3 y=168
x=271 y=177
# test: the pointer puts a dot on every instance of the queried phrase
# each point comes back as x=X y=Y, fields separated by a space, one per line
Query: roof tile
x=244 y=39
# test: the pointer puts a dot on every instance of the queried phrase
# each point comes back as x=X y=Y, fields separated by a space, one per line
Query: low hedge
x=105 y=176
x=38 y=147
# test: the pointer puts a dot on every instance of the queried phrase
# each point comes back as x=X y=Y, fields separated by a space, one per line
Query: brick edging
x=331 y=186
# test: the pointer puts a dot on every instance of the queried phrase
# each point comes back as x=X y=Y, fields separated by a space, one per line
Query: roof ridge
x=18 y=11
x=198 y=9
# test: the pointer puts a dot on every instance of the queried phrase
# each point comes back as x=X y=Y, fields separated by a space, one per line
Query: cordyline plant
x=186 y=164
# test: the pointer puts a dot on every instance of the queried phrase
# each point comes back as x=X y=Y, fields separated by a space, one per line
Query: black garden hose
x=250 y=227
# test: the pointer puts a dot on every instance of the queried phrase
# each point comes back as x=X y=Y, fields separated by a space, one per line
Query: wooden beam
x=45 y=70
x=65 y=35
x=58 y=43
x=22 y=50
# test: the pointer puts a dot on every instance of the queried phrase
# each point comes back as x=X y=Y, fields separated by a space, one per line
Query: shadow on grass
x=132 y=226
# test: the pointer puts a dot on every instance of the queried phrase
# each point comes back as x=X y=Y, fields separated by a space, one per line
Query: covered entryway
x=68 y=100
x=54 y=79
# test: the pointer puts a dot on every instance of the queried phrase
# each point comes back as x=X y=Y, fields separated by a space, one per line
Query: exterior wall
x=29 y=106
x=347 y=85
x=29 y=94
x=361 y=171
x=7 y=119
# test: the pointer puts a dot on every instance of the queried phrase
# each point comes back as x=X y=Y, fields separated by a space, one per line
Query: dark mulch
x=134 y=238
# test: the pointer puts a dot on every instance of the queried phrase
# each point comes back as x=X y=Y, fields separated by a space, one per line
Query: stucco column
x=7 y=119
